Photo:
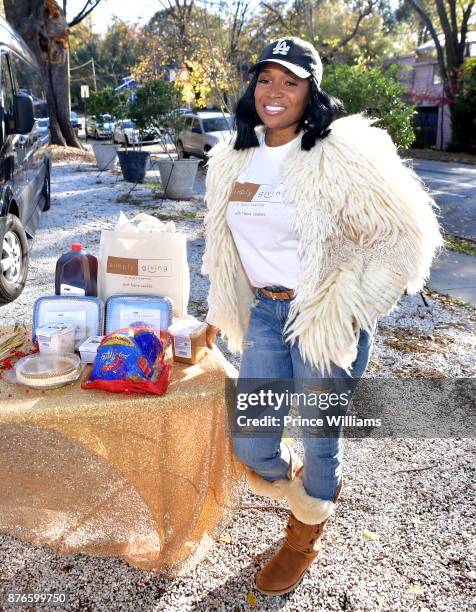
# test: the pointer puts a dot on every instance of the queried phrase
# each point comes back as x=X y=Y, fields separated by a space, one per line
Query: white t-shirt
x=260 y=220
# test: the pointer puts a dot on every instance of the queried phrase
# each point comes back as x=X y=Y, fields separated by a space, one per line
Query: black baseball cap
x=299 y=56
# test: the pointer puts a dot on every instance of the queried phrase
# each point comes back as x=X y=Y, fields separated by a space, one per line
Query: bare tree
x=363 y=9
x=225 y=42
x=301 y=19
x=238 y=20
x=278 y=16
x=180 y=15
x=43 y=26
x=451 y=54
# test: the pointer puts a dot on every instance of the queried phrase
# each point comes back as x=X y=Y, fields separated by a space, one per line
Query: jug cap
x=76 y=246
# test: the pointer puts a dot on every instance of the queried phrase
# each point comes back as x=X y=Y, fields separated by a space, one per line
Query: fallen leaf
x=370 y=535
x=251 y=599
x=226 y=537
x=416 y=588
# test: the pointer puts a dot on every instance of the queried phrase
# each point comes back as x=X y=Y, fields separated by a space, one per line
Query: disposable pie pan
x=48 y=371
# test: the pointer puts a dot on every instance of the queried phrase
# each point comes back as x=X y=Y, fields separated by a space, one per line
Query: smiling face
x=281 y=98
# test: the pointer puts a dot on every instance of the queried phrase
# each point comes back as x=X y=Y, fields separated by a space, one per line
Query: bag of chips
x=131 y=360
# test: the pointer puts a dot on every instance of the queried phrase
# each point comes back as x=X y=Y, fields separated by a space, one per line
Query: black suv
x=24 y=159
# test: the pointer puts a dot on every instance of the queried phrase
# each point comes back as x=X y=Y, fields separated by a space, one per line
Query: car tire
x=46 y=190
x=204 y=158
x=12 y=280
x=181 y=151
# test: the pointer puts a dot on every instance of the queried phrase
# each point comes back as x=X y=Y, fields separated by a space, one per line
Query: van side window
x=7 y=88
x=27 y=79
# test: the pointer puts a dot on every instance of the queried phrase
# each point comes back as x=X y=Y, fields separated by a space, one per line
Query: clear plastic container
x=188 y=340
x=56 y=338
x=47 y=371
x=76 y=273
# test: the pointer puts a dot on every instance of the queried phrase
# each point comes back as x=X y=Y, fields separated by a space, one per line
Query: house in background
x=424 y=87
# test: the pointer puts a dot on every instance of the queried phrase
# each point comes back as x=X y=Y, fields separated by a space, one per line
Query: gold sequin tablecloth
x=150 y=479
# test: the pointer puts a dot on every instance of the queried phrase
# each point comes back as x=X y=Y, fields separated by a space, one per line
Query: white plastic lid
x=187 y=327
x=53 y=329
x=47 y=370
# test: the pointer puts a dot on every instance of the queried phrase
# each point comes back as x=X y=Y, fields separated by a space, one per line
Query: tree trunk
x=43 y=27
x=451 y=58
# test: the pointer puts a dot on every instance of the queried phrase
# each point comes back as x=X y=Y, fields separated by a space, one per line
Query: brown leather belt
x=278 y=295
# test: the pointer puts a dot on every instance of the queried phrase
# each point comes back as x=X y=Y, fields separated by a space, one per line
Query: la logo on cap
x=281 y=47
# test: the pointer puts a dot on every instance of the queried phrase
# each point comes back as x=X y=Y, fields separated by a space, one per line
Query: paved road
x=455 y=274
x=453 y=187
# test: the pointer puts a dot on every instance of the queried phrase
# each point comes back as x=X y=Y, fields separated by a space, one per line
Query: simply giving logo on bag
x=144 y=256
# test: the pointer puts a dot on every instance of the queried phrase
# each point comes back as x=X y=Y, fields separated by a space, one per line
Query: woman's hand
x=211 y=333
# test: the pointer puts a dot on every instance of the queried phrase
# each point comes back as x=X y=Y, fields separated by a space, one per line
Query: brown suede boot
x=285 y=570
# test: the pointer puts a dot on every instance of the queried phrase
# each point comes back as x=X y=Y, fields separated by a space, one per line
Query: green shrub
x=155 y=107
x=463 y=113
x=108 y=101
x=375 y=93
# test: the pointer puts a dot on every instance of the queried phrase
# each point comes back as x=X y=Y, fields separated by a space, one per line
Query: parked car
x=75 y=121
x=100 y=129
x=202 y=131
x=126 y=133
x=24 y=158
x=43 y=126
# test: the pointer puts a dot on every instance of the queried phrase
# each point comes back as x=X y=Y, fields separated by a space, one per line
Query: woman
x=315 y=228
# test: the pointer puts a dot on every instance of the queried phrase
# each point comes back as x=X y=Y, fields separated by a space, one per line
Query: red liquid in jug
x=76 y=273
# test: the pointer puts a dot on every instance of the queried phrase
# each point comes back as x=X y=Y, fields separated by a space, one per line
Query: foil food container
x=86 y=313
x=124 y=310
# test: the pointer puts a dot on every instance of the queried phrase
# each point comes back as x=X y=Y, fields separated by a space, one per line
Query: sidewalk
x=436 y=155
x=454 y=273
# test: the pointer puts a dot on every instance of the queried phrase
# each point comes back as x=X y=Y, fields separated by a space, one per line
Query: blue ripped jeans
x=266 y=355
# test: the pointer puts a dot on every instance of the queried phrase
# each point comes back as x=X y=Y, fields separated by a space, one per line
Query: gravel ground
x=402 y=538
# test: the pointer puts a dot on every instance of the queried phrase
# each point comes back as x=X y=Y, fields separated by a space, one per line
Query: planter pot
x=106 y=155
x=133 y=165
x=178 y=177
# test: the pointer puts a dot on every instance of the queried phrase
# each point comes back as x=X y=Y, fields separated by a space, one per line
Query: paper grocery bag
x=147 y=263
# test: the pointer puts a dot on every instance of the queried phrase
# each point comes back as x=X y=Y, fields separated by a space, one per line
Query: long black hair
x=320 y=112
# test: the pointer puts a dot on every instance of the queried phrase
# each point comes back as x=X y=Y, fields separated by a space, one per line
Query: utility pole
x=94 y=75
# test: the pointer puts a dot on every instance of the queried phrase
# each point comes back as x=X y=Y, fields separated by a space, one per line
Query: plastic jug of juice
x=76 y=273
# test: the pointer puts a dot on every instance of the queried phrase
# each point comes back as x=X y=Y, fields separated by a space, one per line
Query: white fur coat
x=366 y=228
